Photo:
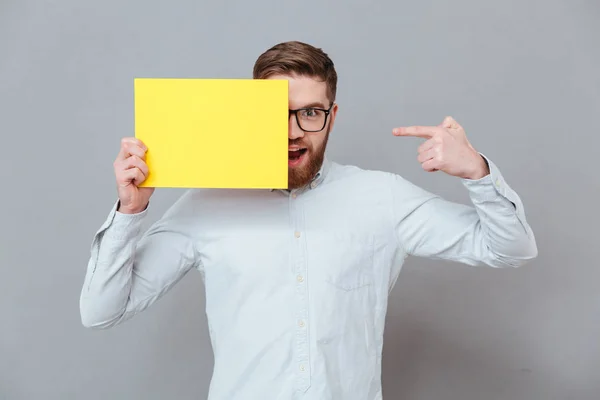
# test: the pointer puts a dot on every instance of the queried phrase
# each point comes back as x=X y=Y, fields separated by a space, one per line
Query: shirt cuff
x=490 y=186
x=493 y=188
x=120 y=226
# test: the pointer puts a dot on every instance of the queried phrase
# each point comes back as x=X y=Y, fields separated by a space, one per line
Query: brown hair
x=297 y=58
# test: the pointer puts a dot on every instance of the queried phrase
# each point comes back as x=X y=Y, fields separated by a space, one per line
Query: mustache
x=299 y=143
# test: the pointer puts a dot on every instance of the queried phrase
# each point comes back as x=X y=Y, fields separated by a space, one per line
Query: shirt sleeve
x=128 y=271
x=491 y=231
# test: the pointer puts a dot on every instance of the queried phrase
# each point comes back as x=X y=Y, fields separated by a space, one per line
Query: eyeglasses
x=311 y=119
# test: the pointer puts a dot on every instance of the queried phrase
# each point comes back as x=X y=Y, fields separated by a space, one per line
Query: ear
x=332 y=115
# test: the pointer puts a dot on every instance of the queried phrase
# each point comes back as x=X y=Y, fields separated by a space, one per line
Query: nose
x=294 y=131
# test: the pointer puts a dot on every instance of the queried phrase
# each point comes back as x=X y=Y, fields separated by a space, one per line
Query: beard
x=305 y=173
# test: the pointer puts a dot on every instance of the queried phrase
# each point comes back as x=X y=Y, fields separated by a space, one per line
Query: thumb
x=450 y=123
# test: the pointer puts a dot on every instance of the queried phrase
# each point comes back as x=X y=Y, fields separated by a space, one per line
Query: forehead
x=304 y=90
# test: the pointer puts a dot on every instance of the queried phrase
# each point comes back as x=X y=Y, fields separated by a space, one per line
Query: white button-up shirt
x=297 y=282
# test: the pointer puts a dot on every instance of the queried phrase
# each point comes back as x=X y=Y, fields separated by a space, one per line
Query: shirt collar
x=320 y=176
x=316 y=181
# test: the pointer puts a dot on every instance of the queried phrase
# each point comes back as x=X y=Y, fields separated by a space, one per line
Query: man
x=297 y=280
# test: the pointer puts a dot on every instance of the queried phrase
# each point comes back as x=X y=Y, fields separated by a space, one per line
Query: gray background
x=521 y=77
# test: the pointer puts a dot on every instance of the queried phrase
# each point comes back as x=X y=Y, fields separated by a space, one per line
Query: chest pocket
x=341 y=261
x=343 y=291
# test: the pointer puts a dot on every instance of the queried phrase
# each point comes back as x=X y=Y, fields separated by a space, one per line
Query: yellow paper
x=213 y=133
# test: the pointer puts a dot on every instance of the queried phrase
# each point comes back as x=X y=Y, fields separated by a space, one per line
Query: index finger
x=128 y=146
x=425 y=132
x=135 y=141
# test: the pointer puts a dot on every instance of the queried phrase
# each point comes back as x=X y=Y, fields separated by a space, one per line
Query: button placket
x=299 y=268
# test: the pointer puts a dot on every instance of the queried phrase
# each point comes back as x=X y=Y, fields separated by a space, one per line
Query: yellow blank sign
x=213 y=133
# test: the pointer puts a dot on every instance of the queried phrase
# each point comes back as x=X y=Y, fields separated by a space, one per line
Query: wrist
x=479 y=170
x=130 y=210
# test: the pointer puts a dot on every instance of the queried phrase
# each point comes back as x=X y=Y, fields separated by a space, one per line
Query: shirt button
x=297 y=234
x=301 y=324
x=294 y=195
x=300 y=278
x=313 y=185
x=498 y=182
x=302 y=368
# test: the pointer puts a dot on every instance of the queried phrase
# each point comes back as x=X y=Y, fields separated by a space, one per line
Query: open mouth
x=295 y=155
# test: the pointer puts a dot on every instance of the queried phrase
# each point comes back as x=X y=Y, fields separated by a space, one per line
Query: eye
x=311 y=113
